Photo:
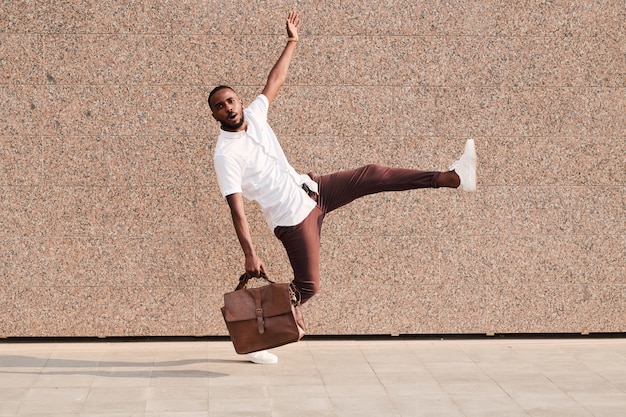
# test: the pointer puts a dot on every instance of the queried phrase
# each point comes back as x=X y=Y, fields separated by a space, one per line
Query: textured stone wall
x=111 y=223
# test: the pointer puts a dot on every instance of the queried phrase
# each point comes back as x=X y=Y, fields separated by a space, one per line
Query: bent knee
x=307 y=290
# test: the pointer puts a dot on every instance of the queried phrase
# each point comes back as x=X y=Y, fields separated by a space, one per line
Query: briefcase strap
x=260 y=322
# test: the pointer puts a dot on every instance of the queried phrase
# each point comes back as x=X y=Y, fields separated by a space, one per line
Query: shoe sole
x=470 y=148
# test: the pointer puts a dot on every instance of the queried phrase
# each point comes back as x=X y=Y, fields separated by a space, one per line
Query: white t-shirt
x=252 y=162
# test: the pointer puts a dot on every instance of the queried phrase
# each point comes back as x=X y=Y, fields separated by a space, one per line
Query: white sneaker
x=262 y=357
x=465 y=167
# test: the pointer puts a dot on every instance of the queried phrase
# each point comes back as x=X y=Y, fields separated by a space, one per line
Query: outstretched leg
x=341 y=188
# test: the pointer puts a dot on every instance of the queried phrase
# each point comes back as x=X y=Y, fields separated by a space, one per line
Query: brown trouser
x=302 y=241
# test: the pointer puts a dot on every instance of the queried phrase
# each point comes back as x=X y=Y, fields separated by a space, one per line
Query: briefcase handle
x=244 y=278
x=296 y=297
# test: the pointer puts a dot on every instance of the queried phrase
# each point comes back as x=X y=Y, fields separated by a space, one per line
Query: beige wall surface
x=111 y=222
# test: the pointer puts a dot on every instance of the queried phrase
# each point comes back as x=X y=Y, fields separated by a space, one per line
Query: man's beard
x=233 y=126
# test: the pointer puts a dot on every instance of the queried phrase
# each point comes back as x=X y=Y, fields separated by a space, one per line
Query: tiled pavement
x=579 y=377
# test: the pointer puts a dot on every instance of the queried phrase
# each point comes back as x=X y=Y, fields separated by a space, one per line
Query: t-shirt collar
x=232 y=135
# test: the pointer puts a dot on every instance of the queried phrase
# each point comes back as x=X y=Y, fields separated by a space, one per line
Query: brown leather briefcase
x=263 y=317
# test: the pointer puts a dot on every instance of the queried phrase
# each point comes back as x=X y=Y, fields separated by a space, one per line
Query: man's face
x=227 y=108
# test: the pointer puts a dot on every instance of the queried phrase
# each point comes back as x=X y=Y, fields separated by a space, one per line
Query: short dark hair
x=215 y=90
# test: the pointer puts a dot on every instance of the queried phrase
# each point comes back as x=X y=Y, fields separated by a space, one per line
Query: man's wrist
x=292 y=39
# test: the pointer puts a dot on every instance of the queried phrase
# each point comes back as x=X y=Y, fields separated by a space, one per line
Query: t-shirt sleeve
x=229 y=175
x=259 y=108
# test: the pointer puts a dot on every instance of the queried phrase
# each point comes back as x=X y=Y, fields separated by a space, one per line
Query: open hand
x=293 y=23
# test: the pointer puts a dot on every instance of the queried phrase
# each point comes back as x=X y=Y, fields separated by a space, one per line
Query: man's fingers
x=294 y=19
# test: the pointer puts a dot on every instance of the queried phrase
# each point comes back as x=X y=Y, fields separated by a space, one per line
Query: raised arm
x=253 y=264
x=278 y=74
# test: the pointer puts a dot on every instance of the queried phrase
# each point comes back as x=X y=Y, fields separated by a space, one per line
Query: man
x=250 y=163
